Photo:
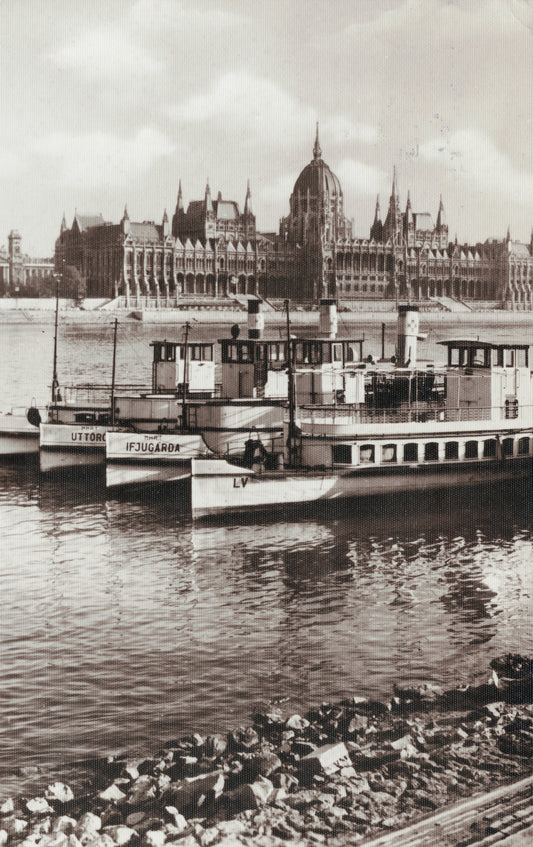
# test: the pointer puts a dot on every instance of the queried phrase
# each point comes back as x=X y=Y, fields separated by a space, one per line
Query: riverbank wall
x=42 y=311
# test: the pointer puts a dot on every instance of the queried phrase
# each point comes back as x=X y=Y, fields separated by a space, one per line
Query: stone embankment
x=343 y=773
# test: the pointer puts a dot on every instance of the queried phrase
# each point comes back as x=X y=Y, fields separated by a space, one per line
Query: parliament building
x=212 y=250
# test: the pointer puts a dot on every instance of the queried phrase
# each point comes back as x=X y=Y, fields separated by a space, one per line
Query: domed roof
x=317 y=176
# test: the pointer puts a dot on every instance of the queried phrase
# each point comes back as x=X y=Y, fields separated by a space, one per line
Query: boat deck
x=503 y=817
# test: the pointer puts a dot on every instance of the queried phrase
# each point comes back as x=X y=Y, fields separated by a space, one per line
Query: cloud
x=101 y=159
x=260 y=111
x=470 y=155
x=360 y=178
x=104 y=53
x=11 y=164
x=170 y=14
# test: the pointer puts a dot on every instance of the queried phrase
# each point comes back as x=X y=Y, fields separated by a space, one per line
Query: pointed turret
x=317 y=152
x=63 y=224
x=392 y=227
x=125 y=222
x=376 y=230
x=179 y=214
x=248 y=200
x=179 y=201
x=208 y=202
x=165 y=225
x=441 y=217
x=508 y=236
x=408 y=210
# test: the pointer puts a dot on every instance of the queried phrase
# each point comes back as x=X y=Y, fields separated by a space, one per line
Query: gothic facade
x=212 y=249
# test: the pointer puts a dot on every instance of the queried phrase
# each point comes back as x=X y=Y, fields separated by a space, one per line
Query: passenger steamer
x=469 y=423
x=80 y=419
x=249 y=412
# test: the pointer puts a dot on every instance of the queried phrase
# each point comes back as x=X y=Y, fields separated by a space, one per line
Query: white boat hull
x=218 y=487
x=225 y=427
x=71 y=445
x=135 y=458
x=18 y=437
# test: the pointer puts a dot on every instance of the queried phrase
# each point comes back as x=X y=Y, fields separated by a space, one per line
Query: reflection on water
x=123 y=624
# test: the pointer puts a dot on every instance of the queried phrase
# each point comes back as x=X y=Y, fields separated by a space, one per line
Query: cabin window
x=451 y=450
x=507 y=446
x=523 y=446
x=521 y=358
x=471 y=450
x=207 y=352
x=479 y=357
x=388 y=453
x=511 y=409
x=489 y=448
x=509 y=358
x=342 y=454
x=367 y=454
x=246 y=353
x=410 y=452
x=352 y=352
x=337 y=352
x=431 y=451
x=261 y=352
x=232 y=353
x=85 y=418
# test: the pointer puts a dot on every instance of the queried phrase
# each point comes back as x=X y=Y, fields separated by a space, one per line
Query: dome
x=318 y=177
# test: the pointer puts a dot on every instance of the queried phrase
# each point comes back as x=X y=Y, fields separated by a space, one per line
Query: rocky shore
x=343 y=773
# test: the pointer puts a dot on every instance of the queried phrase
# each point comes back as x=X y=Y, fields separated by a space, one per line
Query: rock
x=60 y=792
x=263 y=789
x=38 y=806
x=189 y=795
x=297 y=723
x=3 y=837
x=131 y=772
x=326 y=759
x=243 y=738
x=64 y=824
x=231 y=827
x=155 y=838
x=88 y=823
x=215 y=746
x=120 y=834
x=143 y=789
x=177 y=819
x=7 y=807
x=240 y=799
x=112 y=794
x=135 y=818
x=101 y=841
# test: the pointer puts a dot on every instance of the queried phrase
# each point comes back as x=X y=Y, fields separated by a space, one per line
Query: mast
x=113 y=374
x=185 y=369
x=290 y=390
x=55 y=382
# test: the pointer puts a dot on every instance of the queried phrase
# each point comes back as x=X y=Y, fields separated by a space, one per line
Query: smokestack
x=408 y=319
x=256 y=319
x=327 y=324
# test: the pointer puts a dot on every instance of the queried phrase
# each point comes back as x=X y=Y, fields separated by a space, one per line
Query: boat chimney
x=408 y=319
x=327 y=324
x=256 y=319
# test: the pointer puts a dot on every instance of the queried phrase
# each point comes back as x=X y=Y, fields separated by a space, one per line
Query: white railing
x=312 y=416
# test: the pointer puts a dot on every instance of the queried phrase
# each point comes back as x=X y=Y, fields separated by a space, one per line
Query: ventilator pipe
x=256 y=319
x=408 y=320
x=328 y=321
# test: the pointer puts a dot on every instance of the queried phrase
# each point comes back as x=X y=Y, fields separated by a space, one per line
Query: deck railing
x=340 y=415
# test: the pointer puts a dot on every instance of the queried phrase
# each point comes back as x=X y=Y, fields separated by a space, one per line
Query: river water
x=124 y=625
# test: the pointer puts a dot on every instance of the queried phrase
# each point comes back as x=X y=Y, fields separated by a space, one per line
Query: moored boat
x=19 y=431
x=466 y=424
x=249 y=413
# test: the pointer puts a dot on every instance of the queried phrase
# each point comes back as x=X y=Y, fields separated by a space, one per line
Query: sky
x=111 y=102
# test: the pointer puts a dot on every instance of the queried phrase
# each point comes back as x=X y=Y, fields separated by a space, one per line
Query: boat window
x=509 y=358
x=261 y=352
x=489 y=448
x=85 y=418
x=315 y=351
x=458 y=357
x=410 y=452
x=232 y=353
x=207 y=352
x=521 y=358
x=431 y=451
x=451 y=450
x=246 y=352
x=299 y=354
x=511 y=409
x=367 y=454
x=471 y=450
x=388 y=453
x=170 y=352
x=523 y=446
x=507 y=446
x=479 y=357
x=337 y=352
x=342 y=454
x=352 y=352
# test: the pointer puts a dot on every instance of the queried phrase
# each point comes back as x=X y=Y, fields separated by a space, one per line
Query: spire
x=441 y=219
x=208 y=201
x=317 y=152
x=377 y=216
x=376 y=230
x=408 y=210
x=125 y=216
x=165 y=217
x=125 y=221
x=393 y=194
x=248 y=201
x=508 y=236
x=63 y=223
x=179 y=202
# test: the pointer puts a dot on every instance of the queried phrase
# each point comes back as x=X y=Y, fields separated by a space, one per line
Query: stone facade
x=19 y=272
x=212 y=249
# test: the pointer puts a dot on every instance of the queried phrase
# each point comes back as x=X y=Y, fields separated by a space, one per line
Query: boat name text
x=152 y=447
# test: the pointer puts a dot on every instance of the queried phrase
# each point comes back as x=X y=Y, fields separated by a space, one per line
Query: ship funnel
x=328 y=322
x=407 y=336
x=256 y=319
